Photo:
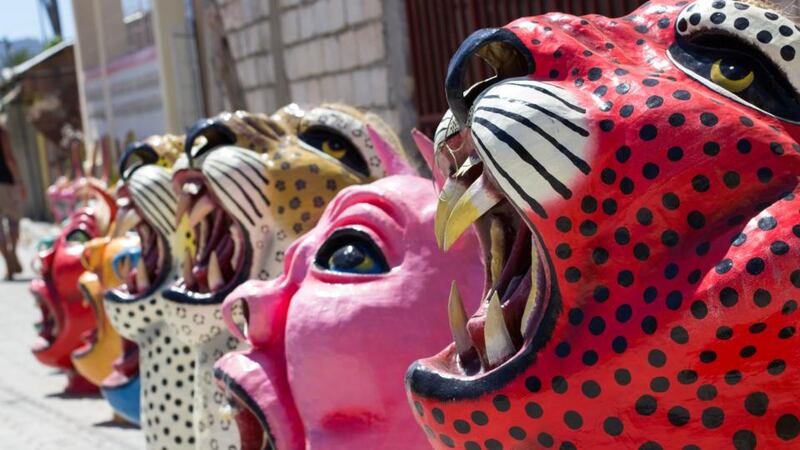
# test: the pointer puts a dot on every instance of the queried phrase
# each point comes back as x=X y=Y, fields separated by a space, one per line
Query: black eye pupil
x=734 y=70
x=347 y=257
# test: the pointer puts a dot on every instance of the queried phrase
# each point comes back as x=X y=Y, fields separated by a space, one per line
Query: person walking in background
x=12 y=194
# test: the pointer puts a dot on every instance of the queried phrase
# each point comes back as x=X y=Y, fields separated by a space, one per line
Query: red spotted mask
x=634 y=183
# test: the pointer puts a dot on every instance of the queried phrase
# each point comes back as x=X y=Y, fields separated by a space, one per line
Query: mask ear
x=425 y=147
x=392 y=162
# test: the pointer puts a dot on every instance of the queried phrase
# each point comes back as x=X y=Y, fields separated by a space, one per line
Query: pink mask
x=332 y=337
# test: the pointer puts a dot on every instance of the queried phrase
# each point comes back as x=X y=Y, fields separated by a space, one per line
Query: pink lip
x=258 y=378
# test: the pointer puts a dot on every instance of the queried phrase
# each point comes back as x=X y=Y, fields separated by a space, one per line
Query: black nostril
x=499 y=47
x=215 y=132
x=138 y=154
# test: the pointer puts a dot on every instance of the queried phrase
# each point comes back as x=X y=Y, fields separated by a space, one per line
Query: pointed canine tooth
x=202 y=207
x=498 y=249
x=142 y=279
x=476 y=201
x=215 y=279
x=451 y=191
x=125 y=222
x=498 y=341
x=184 y=202
x=531 y=302
x=458 y=321
x=188 y=278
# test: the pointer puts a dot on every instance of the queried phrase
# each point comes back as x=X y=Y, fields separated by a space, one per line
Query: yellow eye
x=732 y=76
x=334 y=148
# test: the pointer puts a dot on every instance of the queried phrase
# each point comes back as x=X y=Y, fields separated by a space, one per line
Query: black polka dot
x=711 y=148
x=594 y=74
x=533 y=384
x=764 y=36
x=559 y=384
x=590 y=389
x=785 y=31
x=755 y=266
x=694 y=19
x=676 y=119
x=717 y=18
x=648 y=132
x=678 y=416
x=479 y=418
x=533 y=410
x=624 y=313
x=728 y=296
x=613 y=426
x=756 y=403
x=573 y=420
x=696 y=220
x=779 y=248
x=675 y=154
x=646 y=405
x=462 y=426
x=501 y=403
x=517 y=433
x=712 y=417
x=741 y=23
x=700 y=183
x=708 y=119
x=650 y=171
x=733 y=377
x=744 y=440
x=679 y=335
x=622 y=377
x=681 y=94
x=731 y=179
x=659 y=384
x=787 y=53
x=708 y=356
x=626 y=110
x=706 y=392
x=625 y=278
x=787 y=427
x=545 y=439
x=687 y=376
x=649 y=325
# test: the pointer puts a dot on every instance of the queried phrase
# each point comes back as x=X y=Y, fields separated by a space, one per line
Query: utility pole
x=51 y=8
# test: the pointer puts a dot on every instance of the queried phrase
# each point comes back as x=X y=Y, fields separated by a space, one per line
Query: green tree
x=18 y=57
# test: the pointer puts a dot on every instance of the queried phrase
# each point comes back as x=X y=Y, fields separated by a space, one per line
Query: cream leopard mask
x=248 y=186
x=136 y=309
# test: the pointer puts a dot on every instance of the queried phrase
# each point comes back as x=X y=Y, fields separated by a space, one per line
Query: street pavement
x=33 y=413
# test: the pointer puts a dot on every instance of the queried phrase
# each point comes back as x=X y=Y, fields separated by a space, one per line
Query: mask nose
x=501 y=49
x=263 y=306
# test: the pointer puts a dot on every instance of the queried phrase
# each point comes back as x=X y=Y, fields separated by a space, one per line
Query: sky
x=21 y=19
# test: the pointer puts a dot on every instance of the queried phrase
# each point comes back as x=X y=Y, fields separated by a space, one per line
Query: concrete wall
x=310 y=51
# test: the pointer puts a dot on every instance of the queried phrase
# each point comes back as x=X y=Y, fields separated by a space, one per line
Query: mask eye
x=335 y=145
x=351 y=251
x=78 y=236
x=732 y=75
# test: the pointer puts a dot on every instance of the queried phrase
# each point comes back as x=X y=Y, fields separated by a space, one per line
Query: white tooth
x=191 y=188
x=458 y=321
x=498 y=249
x=125 y=222
x=498 y=341
x=188 y=278
x=202 y=207
x=184 y=202
x=142 y=279
x=531 y=302
x=227 y=412
x=215 y=280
